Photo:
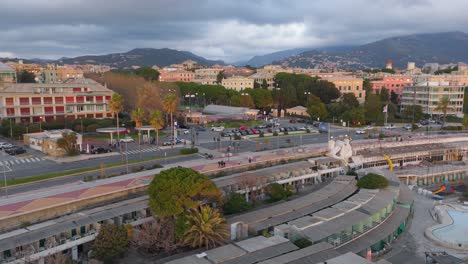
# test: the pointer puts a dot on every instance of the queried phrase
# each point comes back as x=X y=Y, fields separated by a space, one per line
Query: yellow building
x=207 y=75
x=238 y=83
x=349 y=84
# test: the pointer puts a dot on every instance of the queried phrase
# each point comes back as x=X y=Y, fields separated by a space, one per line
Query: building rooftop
x=71 y=83
x=403 y=149
x=225 y=110
x=425 y=169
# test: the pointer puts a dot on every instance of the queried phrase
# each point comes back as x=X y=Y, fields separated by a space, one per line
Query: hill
x=447 y=47
x=140 y=57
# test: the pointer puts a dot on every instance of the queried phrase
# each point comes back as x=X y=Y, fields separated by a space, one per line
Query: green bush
x=275 y=133
x=237 y=137
x=92 y=128
x=286 y=132
x=154 y=166
x=187 y=151
x=261 y=134
x=302 y=243
x=352 y=173
x=308 y=130
x=372 y=181
x=137 y=169
x=276 y=192
x=236 y=203
x=452 y=128
x=88 y=178
x=465 y=194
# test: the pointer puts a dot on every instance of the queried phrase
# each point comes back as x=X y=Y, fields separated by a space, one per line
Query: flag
x=385 y=108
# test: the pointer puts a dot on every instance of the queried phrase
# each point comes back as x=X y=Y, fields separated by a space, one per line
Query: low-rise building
x=7 y=74
x=238 y=83
x=207 y=75
x=176 y=76
x=39 y=102
x=428 y=94
x=297 y=110
x=349 y=84
x=46 y=141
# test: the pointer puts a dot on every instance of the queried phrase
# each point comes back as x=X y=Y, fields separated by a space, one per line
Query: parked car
x=262 y=126
x=391 y=126
x=254 y=131
x=292 y=121
x=15 y=151
x=218 y=129
x=243 y=132
x=282 y=129
x=360 y=131
x=243 y=128
x=127 y=139
x=424 y=122
x=186 y=132
x=408 y=127
x=301 y=121
x=100 y=150
x=227 y=134
x=295 y=128
x=4 y=145
x=200 y=128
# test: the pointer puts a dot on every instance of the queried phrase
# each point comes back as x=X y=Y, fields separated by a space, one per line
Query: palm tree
x=207 y=228
x=138 y=116
x=116 y=106
x=157 y=122
x=170 y=105
x=444 y=106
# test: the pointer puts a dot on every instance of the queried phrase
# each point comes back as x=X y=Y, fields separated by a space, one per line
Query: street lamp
x=189 y=96
x=307 y=94
x=40 y=124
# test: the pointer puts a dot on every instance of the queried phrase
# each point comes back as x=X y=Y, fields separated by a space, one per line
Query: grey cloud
x=229 y=30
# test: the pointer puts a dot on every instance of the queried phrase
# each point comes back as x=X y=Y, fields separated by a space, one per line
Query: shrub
x=302 y=243
x=237 y=137
x=187 y=151
x=465 y=194
x=261 y=134
x=154 y=166
x=286 y=132
x=276 y=192
x=452 y=128
x=352 y=173
x=275 y=133
x=236 y=203
x=308 y=130
x=88 y=178
x=92 y=128
x=111 y=243
x=372 y=181
x=137 y=169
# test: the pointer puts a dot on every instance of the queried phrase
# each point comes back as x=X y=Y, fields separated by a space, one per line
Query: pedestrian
x=219 y=164
x=214 y=139
x=250 y=160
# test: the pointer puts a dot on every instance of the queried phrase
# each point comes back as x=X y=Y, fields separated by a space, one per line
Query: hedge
x=187 y=151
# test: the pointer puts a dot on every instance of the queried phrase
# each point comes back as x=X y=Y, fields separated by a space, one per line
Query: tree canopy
x=25 y=77
x=176 y=190
x=68 y=143
x=350 y=100
x=294 y=86
x=316 y=109
x=147 y=73
x=372 y=181
x=111 y=242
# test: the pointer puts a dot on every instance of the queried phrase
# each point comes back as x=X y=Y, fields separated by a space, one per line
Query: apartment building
x=207 y=75
x=349 y=84
x=43 y=102
x=452 y=78
x=428 y=94
x=7 y=74
x=176 y=76
x=392 y=83
x=238 y=83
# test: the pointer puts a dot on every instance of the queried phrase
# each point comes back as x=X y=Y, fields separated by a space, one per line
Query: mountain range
x=447 y=47
x=141 y=57
x=443 y=48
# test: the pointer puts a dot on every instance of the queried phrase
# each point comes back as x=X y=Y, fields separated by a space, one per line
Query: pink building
x=392 y=83
x=176 y=76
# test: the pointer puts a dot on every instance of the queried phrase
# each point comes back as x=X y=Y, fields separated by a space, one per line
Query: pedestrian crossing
x=136 y=151
x=19 y=161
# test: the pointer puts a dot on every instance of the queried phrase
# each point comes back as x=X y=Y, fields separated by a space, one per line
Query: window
x=90 y=108
x=70 y=109
x=99 y=107
x=79 y=108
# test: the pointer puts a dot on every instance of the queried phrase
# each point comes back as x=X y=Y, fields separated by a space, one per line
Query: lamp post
x=307 y=94
x=189 y=96
x=40 y=124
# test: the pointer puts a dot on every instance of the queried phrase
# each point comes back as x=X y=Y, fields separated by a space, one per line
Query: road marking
x=27 y=160
x=37 y=159
x=17 y=162
x=22 y=160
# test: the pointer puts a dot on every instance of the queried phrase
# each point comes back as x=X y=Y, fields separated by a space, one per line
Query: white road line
x=22 y=160
x=27 y=160
x=37 y=159
x=17 y=162
x=11 y=162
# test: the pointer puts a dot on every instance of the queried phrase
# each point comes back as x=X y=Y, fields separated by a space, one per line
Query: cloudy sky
x=230 y=30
